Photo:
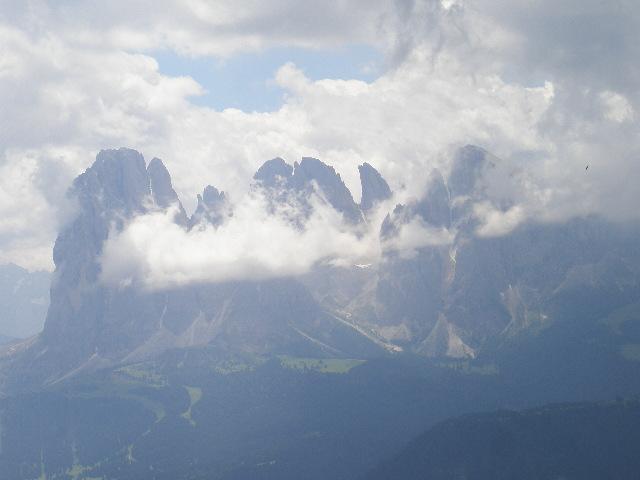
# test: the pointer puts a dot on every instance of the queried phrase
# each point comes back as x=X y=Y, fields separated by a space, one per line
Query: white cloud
x=154 y=252
x=415 y=234
x=543 y=98
x=617 y=107
x=197 y=27
x=495 y=222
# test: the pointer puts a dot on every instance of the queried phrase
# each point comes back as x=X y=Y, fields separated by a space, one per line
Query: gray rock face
x=273 y=173
x=434 y=208
x=311 y=170
x=469 y=165
x=83 y=314
x=162 y=190
x=455 y=299
x=374 y=188
x=295 y=184
x=210 y=208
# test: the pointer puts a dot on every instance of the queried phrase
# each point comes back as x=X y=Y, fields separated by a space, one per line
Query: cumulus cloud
x=495 y=222
x=548 y=87
x=198 y=27
x=617 y=107
x=416 y=234
x=254 y=243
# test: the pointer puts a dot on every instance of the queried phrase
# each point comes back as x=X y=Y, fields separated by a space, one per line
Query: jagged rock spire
x=273 y=172
x=374 y=187
x=434 y=206
x=468 y=165
x=210 y=207
x=302 y=179
x=333 y=188
x=162 y=190
x=114 y=189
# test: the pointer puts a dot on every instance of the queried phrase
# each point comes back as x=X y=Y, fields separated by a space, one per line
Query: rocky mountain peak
x=211 y=196
x=273 y=172
x=118 y=179
x=311 y=170
x=434 y=206
x=162 y=190
x=210 y=207
x=160 y=183
x=115 y=187
x=374 y=187
x=468 y=166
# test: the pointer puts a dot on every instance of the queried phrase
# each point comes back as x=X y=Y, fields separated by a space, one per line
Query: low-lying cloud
x=254 y=243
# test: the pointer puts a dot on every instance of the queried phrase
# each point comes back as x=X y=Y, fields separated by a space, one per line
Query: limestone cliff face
x=115 y=188
x=375 y=189
x=306 y=177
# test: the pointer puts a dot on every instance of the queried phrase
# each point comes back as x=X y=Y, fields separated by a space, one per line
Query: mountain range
x=243 y=378
x=455 y=299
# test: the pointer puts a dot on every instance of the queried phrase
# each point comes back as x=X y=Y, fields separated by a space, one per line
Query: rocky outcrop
x=311 y=172
x=162 y=190
x=310 y=176
x=375 y=189
x=210 y=209
x=274 y=173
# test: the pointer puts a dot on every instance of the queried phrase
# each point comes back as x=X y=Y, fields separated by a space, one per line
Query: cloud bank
x=253 y=243
x=547 y=87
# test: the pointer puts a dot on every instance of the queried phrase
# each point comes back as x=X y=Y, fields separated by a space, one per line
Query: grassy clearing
x=468 y=368
x=237 y=364
x=129 y=457
x=195 y=394
x=140 y=373
x=322 y=365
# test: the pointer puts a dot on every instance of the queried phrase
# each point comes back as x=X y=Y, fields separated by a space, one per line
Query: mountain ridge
x=456 y=295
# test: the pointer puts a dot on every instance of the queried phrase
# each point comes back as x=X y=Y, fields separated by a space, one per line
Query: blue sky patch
x=245 y=81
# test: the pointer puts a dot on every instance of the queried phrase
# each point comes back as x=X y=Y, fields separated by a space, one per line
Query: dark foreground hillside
x=197 y=415
x=564 y=441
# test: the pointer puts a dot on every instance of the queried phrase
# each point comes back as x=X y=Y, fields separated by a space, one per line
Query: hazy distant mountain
x=24 y=299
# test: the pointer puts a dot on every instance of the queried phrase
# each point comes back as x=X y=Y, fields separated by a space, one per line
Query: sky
x=215 y=88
